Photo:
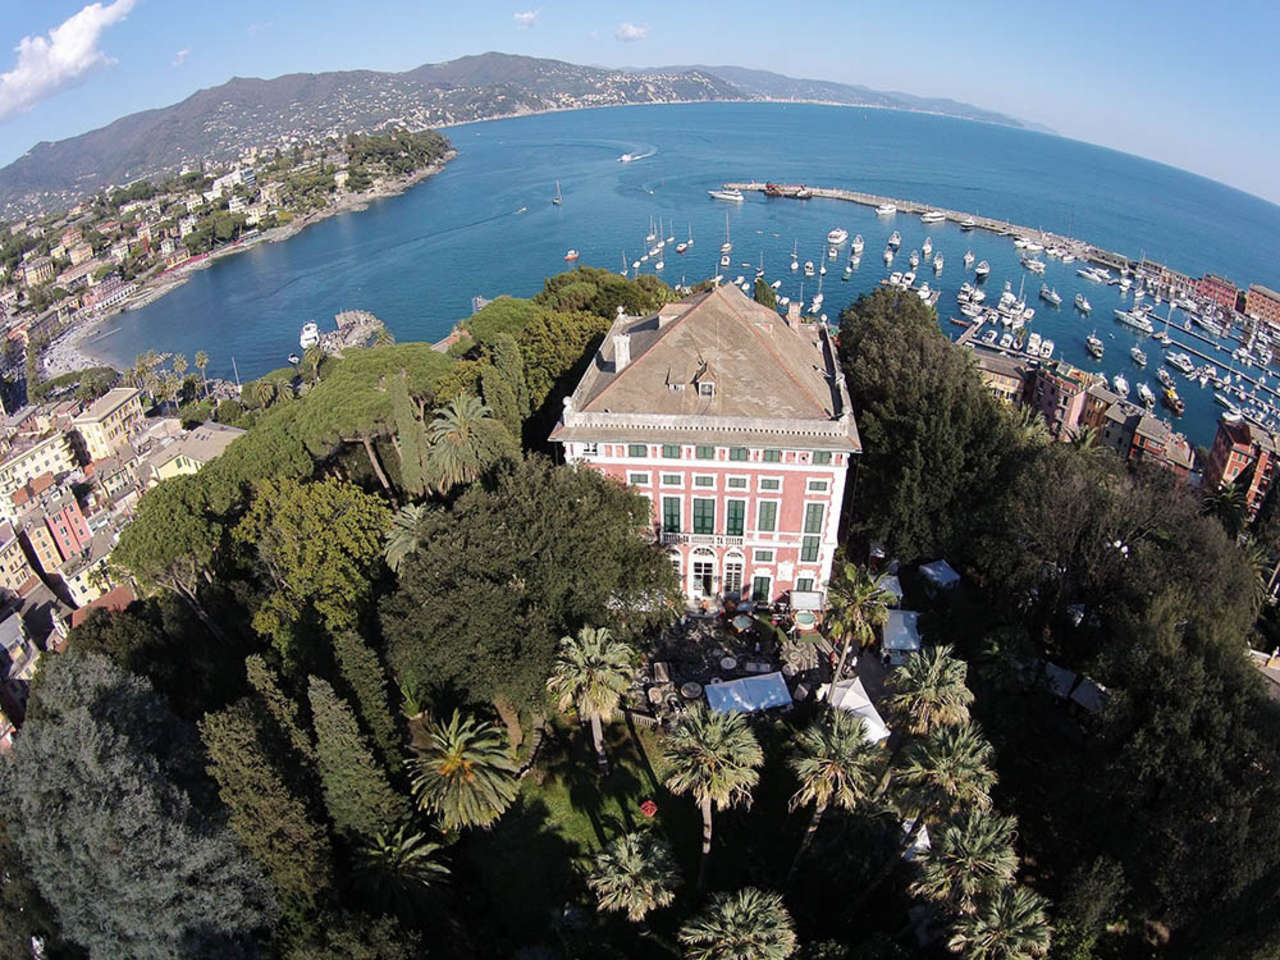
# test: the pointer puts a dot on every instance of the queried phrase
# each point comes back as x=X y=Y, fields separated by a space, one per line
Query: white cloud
x=526 y=19
x=49 y=64
x=180 y=57
x=631 y=32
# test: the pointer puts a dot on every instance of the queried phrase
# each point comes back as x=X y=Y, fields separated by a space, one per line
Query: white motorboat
x=857 y=245
x=1033 y=345
x=1006 y=341
x=309 y=337
x=1032 y=264
x=927 y=247
x=989 y=338
x=1046 y=349
x=1146 y=396
x=895 y=239
x=1135 y=319
x=1180 y=362
x=1094 y=345
x=886 y=210
x=938 y=263
x=1082 y=303
x=888 y=255
x=933 y=216
x=1121 y=384
x=895 y=278
x=1050 y=295
x=837 y=236
x=808 y=268
x=732 y=196
x=982 y=269
x=968 y=259
x=1138 y=357
x=968 y=223
x=914 y=259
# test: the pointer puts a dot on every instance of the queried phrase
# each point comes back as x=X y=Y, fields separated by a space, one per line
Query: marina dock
x=1081 y=249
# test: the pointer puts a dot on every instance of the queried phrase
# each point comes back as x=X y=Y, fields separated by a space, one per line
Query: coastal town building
x=1263 y=303
x=79 y=254
x=1005 y=377
x=111 y=292
x=1242 y=452
x=191 y=452
x=15 y=571
x=1057 y=391
x=108 y=421
x=84 y=577
x=736 y=426
x=28 y=457
x=36 y=271
x=1218 y=289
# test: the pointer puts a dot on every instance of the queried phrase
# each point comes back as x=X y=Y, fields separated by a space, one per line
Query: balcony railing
x=700 y=539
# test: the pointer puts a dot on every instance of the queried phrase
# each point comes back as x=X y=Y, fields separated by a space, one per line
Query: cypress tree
x=412 y=437
x=356 y=790
x=366 y=679
x=509 y=361
x=277 y=703
x=273 y=824
x=500 y=398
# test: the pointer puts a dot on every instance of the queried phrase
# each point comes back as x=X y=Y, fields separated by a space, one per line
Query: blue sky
x=1192 y=84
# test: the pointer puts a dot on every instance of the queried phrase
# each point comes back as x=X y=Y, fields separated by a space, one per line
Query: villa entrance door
x=704 y=571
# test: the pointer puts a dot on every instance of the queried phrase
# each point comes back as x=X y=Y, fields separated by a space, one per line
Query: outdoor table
x=655 y=695
x=691 y=690
x=742 y=622
x=728 y=663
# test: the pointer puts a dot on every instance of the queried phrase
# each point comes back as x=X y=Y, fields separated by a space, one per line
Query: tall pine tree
x=273 y=824
x=362 y=670
x=276 y=702
x=356 y=790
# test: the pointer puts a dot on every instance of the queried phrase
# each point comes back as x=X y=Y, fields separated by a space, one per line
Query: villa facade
x=736 y=425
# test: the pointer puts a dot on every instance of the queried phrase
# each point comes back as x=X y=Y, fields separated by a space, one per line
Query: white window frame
x=763 y=489
x=744 y=489
x=713 y=485
x=755 y=556
x=809 y=485
x=665 y=485
x=647 y=480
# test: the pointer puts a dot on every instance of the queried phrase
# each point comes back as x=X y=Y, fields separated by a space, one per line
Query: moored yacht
x=1050 y=295
x=982 y=269
x=895 y=239
x=856 y=247
x=888 y=255
x=886 y=210
x=1180 y=362
x=1146 y=396
x=927 y=247
x=968 y=259
x=1138 y=357
x=1082 y=303
x=1094 y=346
x=938 y=263
x=933 y=216
x=1121 y=384
x=808 y=268
x=732 y=196
x=309 y=336
x=1032 y=264
x=968 y=223
x=837 y=236
x=914 y=259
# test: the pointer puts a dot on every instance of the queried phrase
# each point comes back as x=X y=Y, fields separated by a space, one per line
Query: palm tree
x=179 y=364
x=455 y=441
x=950 y=769
x=1086 y=438
x=857 y=604
x=1010 y=925
x=635 y=874
x=930 y=692
x=968 y=859
x=407 y=527
x=591 y=673
x=264 y=391
x=465 y=773
x=397 y=866
x=312 y=357
x=835 y=764
x=202 y=364
x=1227 y=503
x=1031 y=428
x=716 y=758
x=747 y=925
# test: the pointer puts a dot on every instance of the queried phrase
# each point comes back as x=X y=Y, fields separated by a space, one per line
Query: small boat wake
x=633 y=157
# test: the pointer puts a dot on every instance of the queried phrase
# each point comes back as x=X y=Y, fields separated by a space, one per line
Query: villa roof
x=762 y=372
x=107 y=404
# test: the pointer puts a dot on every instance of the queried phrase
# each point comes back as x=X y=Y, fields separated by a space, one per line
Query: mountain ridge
x=217 y=123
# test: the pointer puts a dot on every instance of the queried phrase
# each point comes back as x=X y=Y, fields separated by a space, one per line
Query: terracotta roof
x=115 y=600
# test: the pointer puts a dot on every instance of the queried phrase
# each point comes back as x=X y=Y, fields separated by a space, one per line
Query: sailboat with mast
x=726 y=248
x=686 y=244
x=559 y=197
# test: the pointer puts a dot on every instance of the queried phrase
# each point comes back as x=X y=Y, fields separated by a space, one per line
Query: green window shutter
x=813 y=518
x=822 y=457
x=704 y=453
x=671 y=514
x=737 y=453
x=809 y=549
x=770 y=483
x=735 y=515
x=767 y=519
x=671 y=451
x=760 y=590
x=704 y=516
x=637 y=450
x=804 y=584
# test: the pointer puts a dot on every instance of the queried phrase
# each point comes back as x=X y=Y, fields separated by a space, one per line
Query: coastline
x=70 y=352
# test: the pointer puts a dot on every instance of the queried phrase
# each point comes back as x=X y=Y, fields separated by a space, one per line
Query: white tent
x=852 y=696
x=940 y=574
x=901 y=635
x=748 y=694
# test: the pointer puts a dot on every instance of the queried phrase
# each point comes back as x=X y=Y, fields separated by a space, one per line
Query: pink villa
x=736 y=425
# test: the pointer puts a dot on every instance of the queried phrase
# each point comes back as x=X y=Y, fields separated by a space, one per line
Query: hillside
x=219 y=122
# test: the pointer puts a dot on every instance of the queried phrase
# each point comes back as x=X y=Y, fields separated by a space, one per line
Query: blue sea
x=486 y=226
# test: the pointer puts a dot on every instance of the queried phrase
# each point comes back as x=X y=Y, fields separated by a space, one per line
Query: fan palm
x=179 y=364
x=835 y=764
x=396 y=866
x=264 y=391
x=966 y=860
x=715 y=758
x=456 y=441
x=857 y=604
x=635 y=874
x=464 y=773
x=591 y=673
x=1011 y=925
x=950 y=769
x=930 y=692
x=747 y=925
x=1031 y=428
x=407 y=526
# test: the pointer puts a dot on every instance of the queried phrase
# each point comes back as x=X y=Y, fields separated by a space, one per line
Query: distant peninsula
x=220 y=123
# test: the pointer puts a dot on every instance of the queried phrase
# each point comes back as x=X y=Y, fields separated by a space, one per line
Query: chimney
x=621 y=351
x=793 y=315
